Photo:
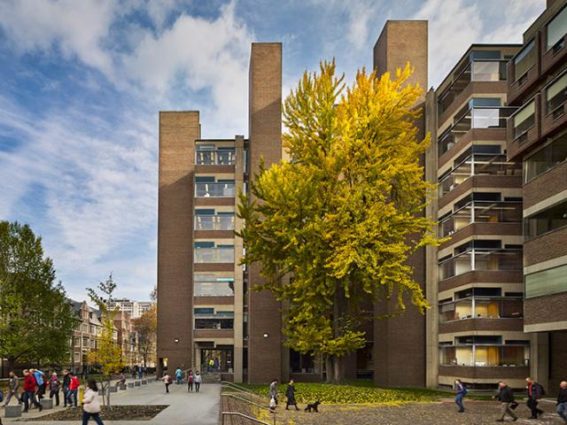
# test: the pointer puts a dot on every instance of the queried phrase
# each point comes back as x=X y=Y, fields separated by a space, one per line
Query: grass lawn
x=354 y=393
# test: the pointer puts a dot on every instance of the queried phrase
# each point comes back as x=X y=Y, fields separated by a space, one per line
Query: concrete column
x=237 y=361
x=539 y=358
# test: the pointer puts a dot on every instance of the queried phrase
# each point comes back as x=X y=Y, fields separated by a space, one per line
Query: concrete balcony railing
x=214 y=255
x=215 y=190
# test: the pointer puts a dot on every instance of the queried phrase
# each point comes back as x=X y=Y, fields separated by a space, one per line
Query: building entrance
x=217 y=360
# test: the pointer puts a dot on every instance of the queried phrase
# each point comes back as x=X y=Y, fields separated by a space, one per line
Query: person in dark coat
x=535 y=392
x=562 y=401
x=506 y=397
x=290 y=394
x=461 y=392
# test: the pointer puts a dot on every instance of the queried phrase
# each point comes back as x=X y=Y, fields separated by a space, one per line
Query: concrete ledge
x=46 y=403
x=13 y=411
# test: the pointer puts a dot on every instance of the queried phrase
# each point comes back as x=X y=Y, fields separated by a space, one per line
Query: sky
x=81 y=84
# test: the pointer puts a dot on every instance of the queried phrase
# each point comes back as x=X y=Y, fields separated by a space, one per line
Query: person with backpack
x=54 y=386
x=461 y=393
x=66 y=383
x=535 y=392
x=190 y=381
x=178 y=376
x=30 y=387
x=506 y=397
x=91 y=404
x=167 y=380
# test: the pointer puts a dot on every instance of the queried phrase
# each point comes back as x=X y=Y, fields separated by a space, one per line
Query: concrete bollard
x=113 y=389
x=46 y=403
x=137 y=383
x=130 y=385
x=122 y=387
x=144 y=382
x=101 y=392
x=13 y=411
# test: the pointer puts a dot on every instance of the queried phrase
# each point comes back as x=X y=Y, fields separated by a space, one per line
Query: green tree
x=146 y=328
x=345 y=213
x=108 y=353
x=36 y=319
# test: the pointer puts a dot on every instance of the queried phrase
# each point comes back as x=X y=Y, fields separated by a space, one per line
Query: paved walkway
x=184 y=408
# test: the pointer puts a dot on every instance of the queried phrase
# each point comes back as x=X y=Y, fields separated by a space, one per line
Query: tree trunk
x=108 y=392
x=329 y=368
x=339 y=370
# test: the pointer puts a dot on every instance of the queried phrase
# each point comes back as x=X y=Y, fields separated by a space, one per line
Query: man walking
x=54 y=386
x=562 y=401
x=535 y=392
x=461 y=393
x=30 y=386
x=66 y=383
x=74 y=385
x=40 y=381
x=506 y=397
x=13 y=385
x=178 y=376
x=274 y=391
x=198 y=379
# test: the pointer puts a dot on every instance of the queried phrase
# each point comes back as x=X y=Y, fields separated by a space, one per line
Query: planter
x=13 y=411
x=46 y=403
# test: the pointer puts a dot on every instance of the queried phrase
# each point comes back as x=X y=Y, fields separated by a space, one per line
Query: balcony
x=524 y=127
x=214 y=222
x=214 y=255
x=495 y=214
x=555 y=100
x=477 y=259
x=523 y=70
x=494 y=373
x=479 y=164
x=482 y=73
x=481 y=308
x=211 y=285
x=554 y=49
x=480 y=355
x=215 y=157
x=476 y=118
x=215 y=190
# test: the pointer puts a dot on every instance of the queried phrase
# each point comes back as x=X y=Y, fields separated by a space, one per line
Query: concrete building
x=537 y=137
x=127 y=338
x=134 y=308
x=85 y=336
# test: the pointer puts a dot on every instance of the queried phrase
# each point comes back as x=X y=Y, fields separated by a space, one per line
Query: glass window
x=524 y=60
x=556 y=30
x=547 y=220
x=546 y=282
x=214 y=323
x=203 y=310
x=546 y=158
x=556 y=94
x=485 y=54
x=213 y=285
x=524 y=119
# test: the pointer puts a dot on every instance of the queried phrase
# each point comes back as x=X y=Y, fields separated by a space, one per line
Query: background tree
x=108 y=353
x=146 y=328
x=36 y=319
x=344 y=215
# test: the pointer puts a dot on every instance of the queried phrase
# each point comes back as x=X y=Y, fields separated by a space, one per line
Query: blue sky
x=81 y=84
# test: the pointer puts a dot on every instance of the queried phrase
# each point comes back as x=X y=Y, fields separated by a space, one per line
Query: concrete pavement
x=184 y=408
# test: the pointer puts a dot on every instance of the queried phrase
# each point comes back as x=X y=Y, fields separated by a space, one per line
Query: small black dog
x=313 y=406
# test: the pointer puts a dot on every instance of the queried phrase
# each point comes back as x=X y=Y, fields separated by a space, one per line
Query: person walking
x=461 y=393
x=198 y=379
x=91 y=404
x=535 y=392
x=167 y=381
x=30 y=387
x=13 y=385
x=290 y=394
x=54 y=387
x=66 y=383
x=211 y=365
x=190 y=379
x=506 y=397
x=274 y=391
x=74 y=385
x=40 y=380
x=562 y=401
x=178 y=376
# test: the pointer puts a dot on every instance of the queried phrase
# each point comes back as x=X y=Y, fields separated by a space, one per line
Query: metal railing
x=215 y=157
x=241 y=395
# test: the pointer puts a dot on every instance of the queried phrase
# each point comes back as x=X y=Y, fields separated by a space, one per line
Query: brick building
x=487 y=290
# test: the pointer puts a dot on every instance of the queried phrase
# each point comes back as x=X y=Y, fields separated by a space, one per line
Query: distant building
x=85 y=336
x=134 y=308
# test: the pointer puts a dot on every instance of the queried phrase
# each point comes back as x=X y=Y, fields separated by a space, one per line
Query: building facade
x=85 y=336
x=134 y=308
x=497 y=156
x=537 y=138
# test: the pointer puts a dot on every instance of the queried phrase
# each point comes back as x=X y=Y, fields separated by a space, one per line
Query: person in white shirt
x=91 y=404
x=197 y=379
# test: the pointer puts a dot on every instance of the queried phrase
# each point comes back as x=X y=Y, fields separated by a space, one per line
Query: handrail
x=247 y=401
x=243 y=390
x=242 y=415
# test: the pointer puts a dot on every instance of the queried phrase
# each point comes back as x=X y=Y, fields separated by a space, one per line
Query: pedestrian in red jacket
x=30 y=386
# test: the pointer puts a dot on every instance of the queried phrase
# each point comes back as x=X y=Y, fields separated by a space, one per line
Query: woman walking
x=167 y=381
x=190 y=379
x=54 y=386
x=91 y=405
x=461 y=393
x=290 y=394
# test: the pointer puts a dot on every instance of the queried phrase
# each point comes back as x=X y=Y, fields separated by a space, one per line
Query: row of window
x=480 y=355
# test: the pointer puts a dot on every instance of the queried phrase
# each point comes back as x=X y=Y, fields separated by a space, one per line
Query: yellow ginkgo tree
x=333 y=227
